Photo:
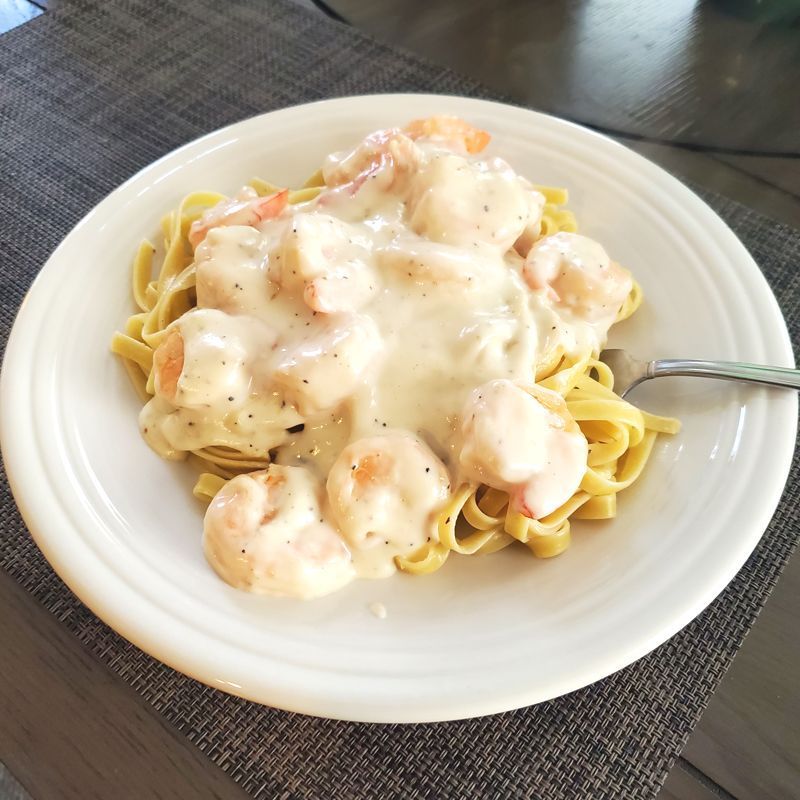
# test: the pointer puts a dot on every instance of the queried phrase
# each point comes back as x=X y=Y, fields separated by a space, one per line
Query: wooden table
x=711 y=97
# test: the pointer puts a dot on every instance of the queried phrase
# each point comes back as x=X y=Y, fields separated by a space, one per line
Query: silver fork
x=630 y=372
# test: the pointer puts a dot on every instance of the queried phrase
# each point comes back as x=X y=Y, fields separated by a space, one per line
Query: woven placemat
x=95 y=90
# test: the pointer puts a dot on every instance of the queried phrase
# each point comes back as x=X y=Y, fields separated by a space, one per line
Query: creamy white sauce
x=370 y=316
x=378 y=610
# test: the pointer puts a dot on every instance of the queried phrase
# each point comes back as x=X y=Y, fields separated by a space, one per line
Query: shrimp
x=322 y=371
x=452 y=130
x=264 y=532
x=432 y=262
x=232 y=267
x=389 y=150
x=168 y=360
x=574 y=273
x=329 y=259
x=533 y=224
x=246 y=208
x=461 y=202
x=384 y=493
x=524 y=441
x=205 y=358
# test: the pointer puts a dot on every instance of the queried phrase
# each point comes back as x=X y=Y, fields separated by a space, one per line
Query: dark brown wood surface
x=709 y=96
x=683 y=783
x=681 y=70
x=71 y=728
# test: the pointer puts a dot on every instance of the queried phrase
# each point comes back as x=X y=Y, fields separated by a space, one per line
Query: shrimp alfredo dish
x=391 y=364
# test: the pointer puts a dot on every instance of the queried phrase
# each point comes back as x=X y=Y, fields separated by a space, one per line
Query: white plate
x=485 y=634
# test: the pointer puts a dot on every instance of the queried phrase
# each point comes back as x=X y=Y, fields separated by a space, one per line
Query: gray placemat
x=94 y=91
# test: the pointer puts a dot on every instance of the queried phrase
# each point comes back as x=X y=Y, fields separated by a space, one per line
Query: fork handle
x=726 y=370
